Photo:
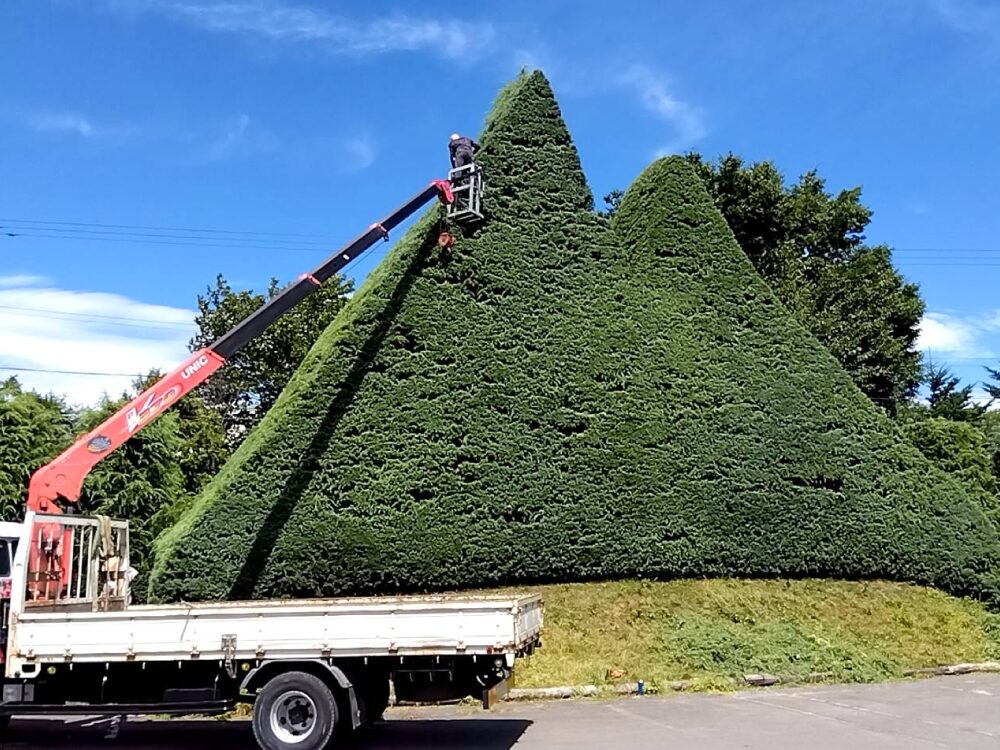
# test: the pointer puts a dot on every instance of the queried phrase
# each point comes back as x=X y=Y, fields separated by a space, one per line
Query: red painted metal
x=63 y=477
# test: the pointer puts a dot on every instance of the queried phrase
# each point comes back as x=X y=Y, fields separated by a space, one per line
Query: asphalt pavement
x=962 y=713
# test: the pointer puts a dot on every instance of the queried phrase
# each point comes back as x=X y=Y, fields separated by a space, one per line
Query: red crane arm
x=62 y=478
x=64 y=475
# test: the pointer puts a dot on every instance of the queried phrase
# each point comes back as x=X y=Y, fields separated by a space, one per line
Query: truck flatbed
x=312 y=668
x=429 y=625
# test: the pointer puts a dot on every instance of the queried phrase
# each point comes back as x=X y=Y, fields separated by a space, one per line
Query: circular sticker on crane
x=98 y=444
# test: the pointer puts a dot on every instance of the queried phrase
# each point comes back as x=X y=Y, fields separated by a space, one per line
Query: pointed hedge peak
x=452 y=382
x=554 y=399
x=528 y=157
x=796 y=471
x=664 y=204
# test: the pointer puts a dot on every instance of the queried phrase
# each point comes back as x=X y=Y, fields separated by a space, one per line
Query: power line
x=91 y=233
x=42 y=312
x=161 y=229
x=71 y=372
x=83 y=319
x=186 y=243
x=944 y=249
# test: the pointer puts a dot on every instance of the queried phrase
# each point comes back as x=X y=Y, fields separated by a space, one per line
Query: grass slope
x=714 y=631
x=558 y=399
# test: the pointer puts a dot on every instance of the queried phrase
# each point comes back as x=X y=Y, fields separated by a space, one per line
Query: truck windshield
x=4 y=558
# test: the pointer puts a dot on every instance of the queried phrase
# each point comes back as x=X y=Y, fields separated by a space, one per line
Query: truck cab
x=9 y=534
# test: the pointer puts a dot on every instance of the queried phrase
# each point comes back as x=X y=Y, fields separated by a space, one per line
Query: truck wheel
x=294 y=710
x=4 y=723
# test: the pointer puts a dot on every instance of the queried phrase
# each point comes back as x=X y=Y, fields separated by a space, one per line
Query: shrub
x=558 y=399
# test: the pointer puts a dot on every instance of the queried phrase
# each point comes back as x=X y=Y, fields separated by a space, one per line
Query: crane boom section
x=62 y=478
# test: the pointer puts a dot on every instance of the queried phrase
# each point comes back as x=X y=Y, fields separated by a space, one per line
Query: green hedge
x=962 y=450
x=559 y=399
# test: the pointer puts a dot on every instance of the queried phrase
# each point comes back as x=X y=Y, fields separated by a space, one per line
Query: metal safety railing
x=78 y=561
x=467 y=189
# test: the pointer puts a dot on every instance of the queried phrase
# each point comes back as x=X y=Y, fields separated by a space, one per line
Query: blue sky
x=305 y=121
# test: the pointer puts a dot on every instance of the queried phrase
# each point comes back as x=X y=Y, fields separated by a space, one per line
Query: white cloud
x=941 y=332
x=72 y=123
x=66 y=122
x=234 y=132
x=281 y=22
x=360 y=152
x=49 y=328
x=656 y=98
x=20 y=280
x=969 y=16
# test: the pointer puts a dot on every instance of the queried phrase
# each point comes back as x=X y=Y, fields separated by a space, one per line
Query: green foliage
x=989 y=423
x=807 y=244
x=612 y=201
x=992 y=388
x=961 y=449
x=560 y=398
x=948 y=399
x=251 y=380
x=867 y=316
x=140 y=479
x=33 y=429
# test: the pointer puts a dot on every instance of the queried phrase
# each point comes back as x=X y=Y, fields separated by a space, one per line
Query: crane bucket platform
x=467 y=189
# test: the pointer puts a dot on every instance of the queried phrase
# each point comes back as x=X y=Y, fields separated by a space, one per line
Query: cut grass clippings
x=712 y=632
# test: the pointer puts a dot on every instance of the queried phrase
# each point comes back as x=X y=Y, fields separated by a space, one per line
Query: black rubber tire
x=4 y=723
x=326 y=716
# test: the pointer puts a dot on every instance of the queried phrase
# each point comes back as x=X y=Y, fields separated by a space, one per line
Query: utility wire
x=161 y=229
x=94 y=233
x=96 y=318
x=182 y=243
x=71 y=372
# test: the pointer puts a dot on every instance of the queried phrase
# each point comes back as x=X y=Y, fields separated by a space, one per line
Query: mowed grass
x=713 y=631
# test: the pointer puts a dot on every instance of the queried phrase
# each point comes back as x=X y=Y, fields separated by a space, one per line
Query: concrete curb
x=982 y=666
x=751 y=680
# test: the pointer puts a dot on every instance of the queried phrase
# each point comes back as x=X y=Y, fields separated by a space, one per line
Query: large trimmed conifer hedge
x=559 y=399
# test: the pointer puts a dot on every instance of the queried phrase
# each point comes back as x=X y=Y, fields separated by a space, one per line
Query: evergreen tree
x=808 y=245
x=139 y=479
x=559 y=397
x=948 y=399
x=33 y=430
x=248 y=385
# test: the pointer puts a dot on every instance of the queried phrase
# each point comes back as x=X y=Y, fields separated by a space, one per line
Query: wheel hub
x=293 y=716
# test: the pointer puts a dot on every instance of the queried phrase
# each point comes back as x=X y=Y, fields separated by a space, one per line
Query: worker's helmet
x=454 y=137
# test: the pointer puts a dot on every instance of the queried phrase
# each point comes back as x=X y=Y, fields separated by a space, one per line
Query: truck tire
x=4 y=723
x=294 y=711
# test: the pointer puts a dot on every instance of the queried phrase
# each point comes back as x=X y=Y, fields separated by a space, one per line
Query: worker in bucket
x=462 y=149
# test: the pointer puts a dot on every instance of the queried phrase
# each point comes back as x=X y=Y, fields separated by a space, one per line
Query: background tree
x=612 y=200
x=243 y=391
x=948 y=399
x=33 y=429
x=808 y=245
x=138 y=479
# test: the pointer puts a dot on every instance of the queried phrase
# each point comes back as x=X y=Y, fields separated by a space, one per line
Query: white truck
x=314 y=669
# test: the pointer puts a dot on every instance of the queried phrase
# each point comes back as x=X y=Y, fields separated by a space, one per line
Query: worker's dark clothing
x=463 y=151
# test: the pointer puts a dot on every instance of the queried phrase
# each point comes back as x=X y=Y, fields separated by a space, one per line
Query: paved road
x=951 y=712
